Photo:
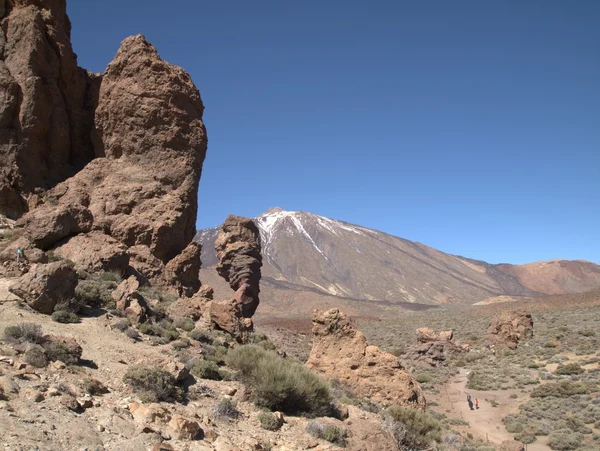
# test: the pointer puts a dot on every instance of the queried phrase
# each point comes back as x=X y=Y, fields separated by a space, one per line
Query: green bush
x=59 y=351
x=132 y=333
x=587 y=333
x=184 y=323
x=180 y=344
x=36 y=357
x=568 y=369
x=565 y=440
x=205 y=369
x=95 y=293
x=62 y=316
x=94 y=387
x=269 y=421
x=153 y=384
x=329 y=432
x=398 y=351
x=423 y=378
x=263 y=341
x=279 y=384
x=549 y=344
x=215 y=353
x=24 y=332
x=110 y=276
x=561 y=389
x=225 y=408
x=413 y=428
x=122 y=325
x=200 y=335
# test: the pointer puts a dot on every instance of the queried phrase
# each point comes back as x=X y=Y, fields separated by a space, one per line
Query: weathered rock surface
x=341 y=351
x=107 y=167
x=425 y=335
x=182 y=271
x=238 y=248
x=194 y=308
x=46 y=285
x=227 y=316
x=94 y=251
x=130 y=301
x=47 y=102
x=509 y=328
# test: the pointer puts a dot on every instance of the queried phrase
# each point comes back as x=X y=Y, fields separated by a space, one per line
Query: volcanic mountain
x=304 y=252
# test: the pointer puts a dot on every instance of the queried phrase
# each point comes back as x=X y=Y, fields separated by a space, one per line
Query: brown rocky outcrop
x=426 y=335
x=238 y=248
x=183 y=270
x=104 y=168
x=46 y=285
x=94 y=251
x=47 y=102
x=509 y=328
x=340 y=351
x=227 y=316
x=193 y=308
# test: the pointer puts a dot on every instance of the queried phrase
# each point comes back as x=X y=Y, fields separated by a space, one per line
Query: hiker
x=470 y=401
x=477 y=403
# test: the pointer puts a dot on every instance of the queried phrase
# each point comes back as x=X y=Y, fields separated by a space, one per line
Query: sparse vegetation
x=153 y=384
x=279 y=384
x=269 y=421
x=62 y=316
x=329 y=432
x=569 y=369
x=59 y=351
x=226 y=408
x=24 y=332
x=36 y=356
x=560 y=389
x=205 y=369
x=184 y=323
x=412 y=428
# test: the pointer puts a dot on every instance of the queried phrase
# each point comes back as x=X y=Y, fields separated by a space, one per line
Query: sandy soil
x=486 y=422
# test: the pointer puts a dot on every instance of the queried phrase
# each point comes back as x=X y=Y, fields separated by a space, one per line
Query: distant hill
x=313 y=259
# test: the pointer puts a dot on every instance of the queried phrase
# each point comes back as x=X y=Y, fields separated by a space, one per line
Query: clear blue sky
x=471 y=126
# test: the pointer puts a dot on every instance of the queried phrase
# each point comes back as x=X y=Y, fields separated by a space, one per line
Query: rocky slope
x=329 y=258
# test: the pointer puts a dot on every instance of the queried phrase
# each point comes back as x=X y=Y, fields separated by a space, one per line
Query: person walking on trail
x=477 y=403
x=470 y=401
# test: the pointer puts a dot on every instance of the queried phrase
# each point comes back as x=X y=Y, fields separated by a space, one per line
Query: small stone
x=20 y=365
x=7 y=360
x=312 y=444
x=100 y=428
x=230 y=391
x=58 y=365
x=162 y=447
x=53 y=391
x=279 y=417
x=8 y=385
x=210 y=435
x=85 y=403
x=34 y=395
x=70 y=403
x=183 y=429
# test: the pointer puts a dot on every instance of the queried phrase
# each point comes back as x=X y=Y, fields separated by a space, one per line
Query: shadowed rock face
x=341 y=351
x=238 y=249
x=47 y=102
x=113 y=161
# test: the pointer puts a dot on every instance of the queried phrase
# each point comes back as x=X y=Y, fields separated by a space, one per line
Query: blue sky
x=470 y=126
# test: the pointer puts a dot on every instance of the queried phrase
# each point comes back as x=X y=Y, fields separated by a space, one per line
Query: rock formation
x=433 y=348
x=509 y=328
x=426 y=335
x=46 y=285
x=47 y=103
x=340 y=351
x=238 y=249
x=102 y=169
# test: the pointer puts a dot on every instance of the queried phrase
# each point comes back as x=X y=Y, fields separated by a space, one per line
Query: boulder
x=238 y=248
x=46 y=285
x=193 y=308
x=206 y=291
x=74 y=349
x=183 y=271
x=342 y=352
x=130 y=301
x=227 y=316
x=182 y=428
x=145 y=414
x=94 y=251
x=509 y=328
x=426 y=335
x=31 y=254
x=123 y=292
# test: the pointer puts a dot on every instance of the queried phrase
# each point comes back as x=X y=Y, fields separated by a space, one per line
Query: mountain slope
x=348 y=261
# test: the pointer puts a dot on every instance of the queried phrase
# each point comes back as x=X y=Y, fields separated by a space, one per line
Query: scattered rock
x=238 y=249
x=130 y=301
x=206 y=291
x=85 y=402
x=149 y=413
x=340 y=351
x=162 y=447
x=8 y=385
x=184 y=429
x=34 y=395
x=178 y=370
x=73 y=348
x=509 y=328
x=45 y=285
x=70 y=403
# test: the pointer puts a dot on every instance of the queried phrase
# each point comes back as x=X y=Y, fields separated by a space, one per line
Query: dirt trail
x=486 y=422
